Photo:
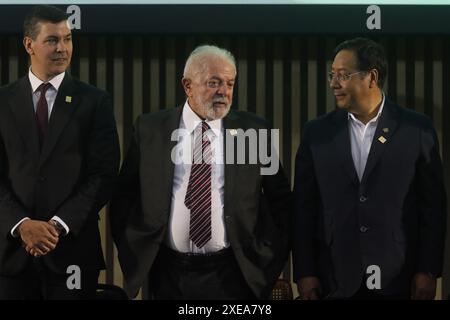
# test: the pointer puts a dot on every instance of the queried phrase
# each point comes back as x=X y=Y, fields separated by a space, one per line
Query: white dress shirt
x=361 y=136
x=178 y=231
x=50 y=95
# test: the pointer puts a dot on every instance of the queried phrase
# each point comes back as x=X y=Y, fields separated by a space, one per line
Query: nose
x=334 y=83
x=223 y=89
x=61 y=47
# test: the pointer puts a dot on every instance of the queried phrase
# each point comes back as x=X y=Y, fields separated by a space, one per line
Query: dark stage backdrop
x=281 y=76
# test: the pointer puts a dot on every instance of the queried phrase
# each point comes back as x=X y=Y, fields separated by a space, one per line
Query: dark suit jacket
x=394 y=218
x=71 y=177
x=256 y=208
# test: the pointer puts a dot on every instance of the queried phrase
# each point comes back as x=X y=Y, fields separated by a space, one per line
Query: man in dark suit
x=59 y=157
x=201 y=227
x=370 y=208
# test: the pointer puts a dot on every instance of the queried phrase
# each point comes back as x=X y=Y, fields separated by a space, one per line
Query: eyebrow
x=220 y=79
x=340 y=70
x=52 y=36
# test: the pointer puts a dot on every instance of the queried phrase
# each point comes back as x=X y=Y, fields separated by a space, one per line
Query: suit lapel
x=342 y=144
x=231 y=121
x=170 y=123
x=22 y=108
x=383 y=133
x=61 y=114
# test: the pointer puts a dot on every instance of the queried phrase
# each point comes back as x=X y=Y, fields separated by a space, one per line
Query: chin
x=60 y=67
x=218 y=113
x=342 y=105
x=59 y=70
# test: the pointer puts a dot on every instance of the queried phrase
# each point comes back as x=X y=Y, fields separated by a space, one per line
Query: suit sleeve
x=277 y=192
x=102 y=161
x=126 y=219
x=11 y=211
x=127 y=195
x=304 y=223
x=432 y=205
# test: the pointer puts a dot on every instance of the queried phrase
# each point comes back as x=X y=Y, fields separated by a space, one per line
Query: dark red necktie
x=42 y=112
x=198 y=194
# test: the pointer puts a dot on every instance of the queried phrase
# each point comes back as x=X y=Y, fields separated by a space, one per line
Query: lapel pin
x=385 y=130
x=382 y=139
x=68 y=99
x=233 y=132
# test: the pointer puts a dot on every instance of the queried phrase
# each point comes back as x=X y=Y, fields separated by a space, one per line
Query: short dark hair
x=369 y=55
x=41 y=13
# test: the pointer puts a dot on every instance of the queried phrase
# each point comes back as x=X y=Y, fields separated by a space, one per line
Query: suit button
x=41 y=179
x=362 y=199
x=363 y=229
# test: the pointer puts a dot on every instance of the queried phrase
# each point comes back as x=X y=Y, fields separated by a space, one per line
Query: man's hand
x=309 y=288
x=58 y=227
x=38 y=237
x=423 y=287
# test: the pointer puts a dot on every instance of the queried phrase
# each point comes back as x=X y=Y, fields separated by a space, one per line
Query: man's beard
x=214 y=113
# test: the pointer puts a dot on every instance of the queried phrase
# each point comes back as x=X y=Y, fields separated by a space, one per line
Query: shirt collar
x=352 y=117
x=36 y=82
x=191 y=120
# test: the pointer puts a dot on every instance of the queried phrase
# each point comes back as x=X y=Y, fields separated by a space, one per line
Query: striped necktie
x=198 y=194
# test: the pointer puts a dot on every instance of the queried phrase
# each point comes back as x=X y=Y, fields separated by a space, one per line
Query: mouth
x=339 y=96
x=59 y=60
x=219 y=104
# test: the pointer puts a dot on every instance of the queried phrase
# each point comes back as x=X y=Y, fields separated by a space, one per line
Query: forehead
x=47 y=28
x=219 y=67
x=345 y=60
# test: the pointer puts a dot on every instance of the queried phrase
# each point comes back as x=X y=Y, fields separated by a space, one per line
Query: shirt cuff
x=66 y=228
x=14 y=231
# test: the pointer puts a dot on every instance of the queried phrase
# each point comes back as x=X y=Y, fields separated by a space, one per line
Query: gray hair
x=196 y=59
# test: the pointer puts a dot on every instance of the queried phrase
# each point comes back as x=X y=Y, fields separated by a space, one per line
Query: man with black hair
x=370 y=208
x=59 y=158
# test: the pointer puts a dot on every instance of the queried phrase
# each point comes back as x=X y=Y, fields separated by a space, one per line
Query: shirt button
x=362 y=199
x=363 y=229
